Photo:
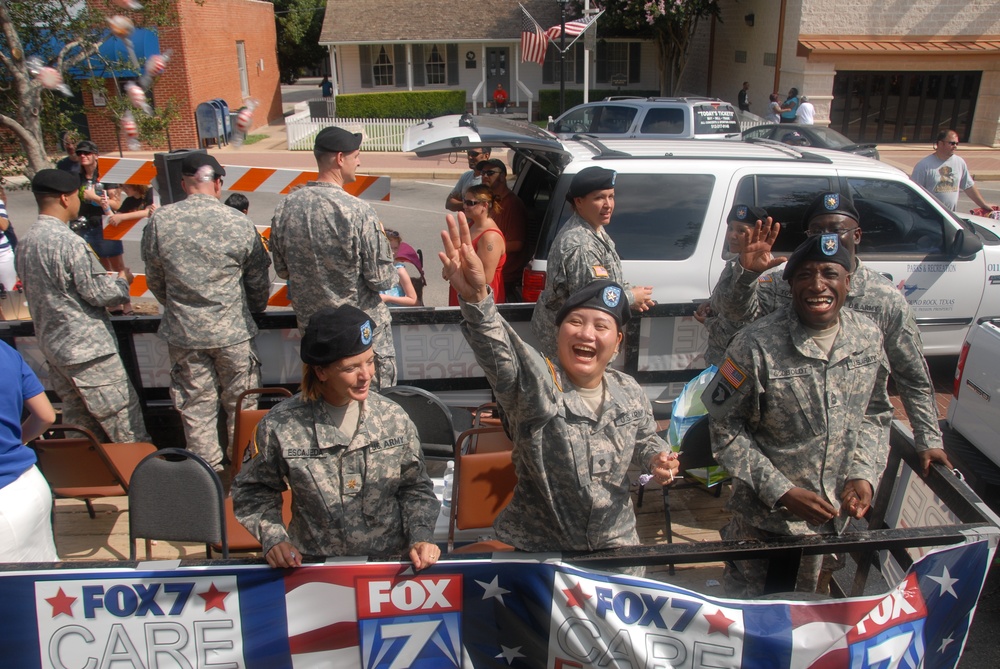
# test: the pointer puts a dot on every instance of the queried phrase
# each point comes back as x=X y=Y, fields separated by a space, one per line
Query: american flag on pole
x=573 y=28
x=533 y=39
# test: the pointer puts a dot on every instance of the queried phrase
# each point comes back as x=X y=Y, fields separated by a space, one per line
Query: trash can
x=210 y=127
x=168 y=174
x=227 y=126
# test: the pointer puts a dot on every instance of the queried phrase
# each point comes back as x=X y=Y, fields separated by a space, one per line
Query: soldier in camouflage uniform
x=69 y=292
x=744 y=293
x=331 y=248
x=351 y=458
x=582 y=252
x=799 y=415
x=577 y=425
x=207 y=265
x=721 y=329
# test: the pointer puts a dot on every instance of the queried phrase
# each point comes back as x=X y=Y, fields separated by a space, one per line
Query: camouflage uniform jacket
x=330 y=247
x=720 y=329
x=69 y=293
x=363 y=495
x=745 y=296
x=572 y=464
x=579 y=255
x=207 y=265
x=783 y=416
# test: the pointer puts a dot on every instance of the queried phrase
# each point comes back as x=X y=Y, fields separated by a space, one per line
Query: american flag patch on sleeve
x=733 y=374
x=600 y=272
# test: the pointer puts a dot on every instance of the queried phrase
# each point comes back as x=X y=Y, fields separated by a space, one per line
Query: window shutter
x=634 y=62
x=452 y=58
x=601 y=65
x=549 y=66
x=419 y=65
x=579 y=61
x=365 y=51
x=399 y=64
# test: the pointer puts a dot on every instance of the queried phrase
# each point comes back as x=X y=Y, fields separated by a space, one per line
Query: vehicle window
x=657 y=216
x=760 y=132
x=831 y=138
x=895 y=218
x=715 y=119
x=663 y=121
x=580 y=120
x=786 y=200
x=614 y=119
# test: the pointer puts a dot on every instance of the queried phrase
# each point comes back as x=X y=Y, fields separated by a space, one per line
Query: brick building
x=220 y=49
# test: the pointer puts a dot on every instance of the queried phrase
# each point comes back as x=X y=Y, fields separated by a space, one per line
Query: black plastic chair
x=432 y=418
x=174 y=495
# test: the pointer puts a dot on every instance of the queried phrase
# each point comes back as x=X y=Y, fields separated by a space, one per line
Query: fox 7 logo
x=410 y=622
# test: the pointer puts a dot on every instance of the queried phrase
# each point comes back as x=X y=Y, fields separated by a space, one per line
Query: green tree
x=299 y=23
x=62 y=34
x=669 y=23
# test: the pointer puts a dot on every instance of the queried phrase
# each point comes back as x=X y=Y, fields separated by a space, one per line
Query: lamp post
x=562 y=57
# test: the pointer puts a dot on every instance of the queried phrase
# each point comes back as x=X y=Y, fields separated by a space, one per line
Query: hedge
x=548 y=100
x=401 y=104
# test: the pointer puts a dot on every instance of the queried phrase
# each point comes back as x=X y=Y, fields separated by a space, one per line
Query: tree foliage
x=299 y=23
x=62 y=34
x=669 y=23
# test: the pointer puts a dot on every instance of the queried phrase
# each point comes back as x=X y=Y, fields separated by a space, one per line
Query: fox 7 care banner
x=472 y=613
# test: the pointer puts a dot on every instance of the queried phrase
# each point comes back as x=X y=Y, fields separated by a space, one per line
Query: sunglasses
x=473 y=154
x=84 y=153
x=473 y=203
x=490 y=173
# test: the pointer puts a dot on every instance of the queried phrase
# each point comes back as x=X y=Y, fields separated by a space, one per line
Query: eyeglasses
x=473 y=203
x=840 y=232
x=473 y=154
x=490 y=173
x=84 y=153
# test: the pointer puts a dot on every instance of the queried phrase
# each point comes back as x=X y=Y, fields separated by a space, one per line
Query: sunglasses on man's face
x=473 y=154
x=490 y=173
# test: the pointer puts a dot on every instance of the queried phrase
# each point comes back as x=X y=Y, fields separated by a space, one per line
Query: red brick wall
x=204 y=66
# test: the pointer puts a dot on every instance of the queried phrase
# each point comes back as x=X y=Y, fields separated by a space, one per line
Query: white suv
x=672 y=198
x=650 y=118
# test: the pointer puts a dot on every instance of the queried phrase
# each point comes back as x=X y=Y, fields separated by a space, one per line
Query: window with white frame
x=382 y=67
x=617 y=55
x=435 y=66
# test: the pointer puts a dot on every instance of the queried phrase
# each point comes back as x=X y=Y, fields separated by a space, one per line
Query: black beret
x=335 y=334
x=55 y=182
x=193 y=162
x=831 y=203
x=86 y=146
x=604 y=295
x=825 y=248
x=590 y=179
x=744 y=213
x=337 y=140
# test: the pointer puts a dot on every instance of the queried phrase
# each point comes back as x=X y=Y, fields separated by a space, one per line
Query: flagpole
x=562 y=58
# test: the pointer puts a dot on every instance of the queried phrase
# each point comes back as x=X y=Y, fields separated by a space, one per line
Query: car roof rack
x=600 y=149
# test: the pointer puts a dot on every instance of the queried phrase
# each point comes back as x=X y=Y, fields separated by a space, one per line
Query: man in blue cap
x=799 y=415
x=331 y=248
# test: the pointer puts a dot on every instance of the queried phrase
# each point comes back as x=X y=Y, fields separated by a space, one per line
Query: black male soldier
x=744 y=292
x=799 y=414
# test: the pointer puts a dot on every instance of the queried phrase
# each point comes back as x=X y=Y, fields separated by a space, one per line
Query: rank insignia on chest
x=600 y=272
x=352 y=483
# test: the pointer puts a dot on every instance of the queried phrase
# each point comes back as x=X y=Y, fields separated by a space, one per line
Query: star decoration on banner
x=61 y=603
x=214 y=598
x=493 y=589
x=575 y=596
x=946 y=582
x=945 y=642
x=509 y=654
x=718 y=622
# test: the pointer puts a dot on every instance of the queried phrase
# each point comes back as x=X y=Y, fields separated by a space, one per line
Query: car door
x=909 y=239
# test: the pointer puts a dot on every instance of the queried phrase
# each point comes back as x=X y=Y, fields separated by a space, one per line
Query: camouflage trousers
x=201 y=380
x=745 y=579
x=385 y=357
x=98 y=395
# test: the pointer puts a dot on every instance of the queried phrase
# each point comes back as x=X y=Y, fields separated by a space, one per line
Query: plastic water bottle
x=449 y=478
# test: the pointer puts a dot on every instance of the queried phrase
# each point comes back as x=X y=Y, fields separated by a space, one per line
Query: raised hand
x=756 y=245
x=462 y=266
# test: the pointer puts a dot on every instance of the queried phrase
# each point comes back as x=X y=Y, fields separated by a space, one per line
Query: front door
x=498 y=71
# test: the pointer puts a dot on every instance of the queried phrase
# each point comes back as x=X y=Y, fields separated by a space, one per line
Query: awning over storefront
x=810 y=45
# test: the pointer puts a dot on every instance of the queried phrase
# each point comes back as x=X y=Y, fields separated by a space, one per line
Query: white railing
x=380 y=134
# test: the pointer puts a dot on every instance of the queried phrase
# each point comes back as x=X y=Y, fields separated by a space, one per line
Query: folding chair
x=483 y=440
x=176 y=496
x=484 y=485
x=239 y=538
x=431 y=417
x=75 y=467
